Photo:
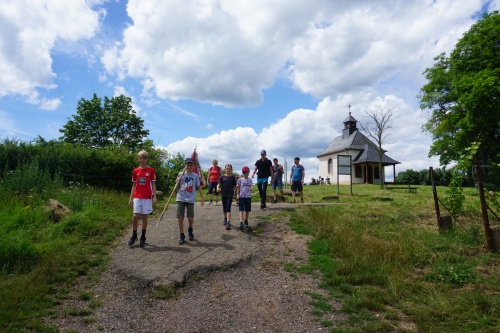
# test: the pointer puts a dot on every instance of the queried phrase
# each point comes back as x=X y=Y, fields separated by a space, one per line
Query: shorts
x=212 y=187
x=183 y=206
x=297 y=186
x=277 y=183
x=245 y=204
x=143 y=206
x=262 y=180
x=226 y=204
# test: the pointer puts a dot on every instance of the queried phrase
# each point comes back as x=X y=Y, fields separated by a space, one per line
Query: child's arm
x=131 y=199
x=154 y=191
x=202 y=200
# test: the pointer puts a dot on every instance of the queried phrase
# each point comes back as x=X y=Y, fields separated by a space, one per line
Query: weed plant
x=393 y=270
x=40 y=259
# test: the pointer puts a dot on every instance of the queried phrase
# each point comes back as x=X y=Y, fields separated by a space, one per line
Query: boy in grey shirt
x=187 y=184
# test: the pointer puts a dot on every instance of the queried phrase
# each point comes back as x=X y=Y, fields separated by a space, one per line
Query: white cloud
x=28 y=33
x=226 y=52
x=306 y=133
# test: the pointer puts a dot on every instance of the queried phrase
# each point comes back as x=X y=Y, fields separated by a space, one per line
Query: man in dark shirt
x=264 y=170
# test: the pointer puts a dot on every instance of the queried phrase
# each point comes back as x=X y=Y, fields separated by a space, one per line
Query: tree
x=98 y=124
x=463 y=94
x=381 y=123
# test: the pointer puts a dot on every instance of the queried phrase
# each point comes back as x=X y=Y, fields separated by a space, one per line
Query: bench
x=400 y=186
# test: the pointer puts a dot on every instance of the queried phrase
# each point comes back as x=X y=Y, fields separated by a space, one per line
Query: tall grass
x=40 y=259
x=391 y=268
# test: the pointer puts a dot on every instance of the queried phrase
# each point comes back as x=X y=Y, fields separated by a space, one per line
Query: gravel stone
x=223 y=281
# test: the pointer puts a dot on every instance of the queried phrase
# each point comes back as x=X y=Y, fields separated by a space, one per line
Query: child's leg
x=135 y=221
x=190 y=221
x=180 y=220
x=144 y=222
x=241 y=216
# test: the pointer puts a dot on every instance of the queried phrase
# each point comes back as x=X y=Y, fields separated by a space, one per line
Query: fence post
x=490 y=238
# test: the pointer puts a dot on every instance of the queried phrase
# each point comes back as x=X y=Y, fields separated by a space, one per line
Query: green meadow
x=384 y=261
x=390 y=267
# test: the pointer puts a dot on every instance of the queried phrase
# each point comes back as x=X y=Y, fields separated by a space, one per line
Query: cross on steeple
x=349 y=106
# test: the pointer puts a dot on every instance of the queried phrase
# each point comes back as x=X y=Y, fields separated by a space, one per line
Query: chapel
x=364 y=157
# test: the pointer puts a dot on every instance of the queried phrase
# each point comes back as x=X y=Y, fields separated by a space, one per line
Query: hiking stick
x=170 y=197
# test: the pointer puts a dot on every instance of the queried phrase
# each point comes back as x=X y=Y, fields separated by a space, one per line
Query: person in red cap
x=243 y=196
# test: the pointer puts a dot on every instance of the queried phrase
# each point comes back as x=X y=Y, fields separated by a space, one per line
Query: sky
x=231 y=77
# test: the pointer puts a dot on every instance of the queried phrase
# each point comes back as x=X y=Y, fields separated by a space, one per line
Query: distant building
x=365 y=159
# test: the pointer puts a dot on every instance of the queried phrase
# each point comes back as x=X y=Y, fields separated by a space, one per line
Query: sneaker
x=225 y=222
x=246 y=224
x=302 y=200
x=283 y=198
x=293 y=201
x=142 y=243
x=210 y=202
x=132 y=240
x=228 y=226
x=216 y=203
x=241 y=226
x=182 y=240
x=274 y=201
x=190 y=233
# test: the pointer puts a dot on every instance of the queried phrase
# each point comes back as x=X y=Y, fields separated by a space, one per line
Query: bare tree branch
x=378 y=131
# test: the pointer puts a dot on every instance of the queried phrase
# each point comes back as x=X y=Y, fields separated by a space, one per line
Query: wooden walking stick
x=171 y=194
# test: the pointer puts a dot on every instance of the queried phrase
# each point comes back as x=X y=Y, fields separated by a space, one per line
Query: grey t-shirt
x=277 y=174
x=187 y=187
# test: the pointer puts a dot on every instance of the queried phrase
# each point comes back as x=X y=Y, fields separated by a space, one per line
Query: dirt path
x=236 y=281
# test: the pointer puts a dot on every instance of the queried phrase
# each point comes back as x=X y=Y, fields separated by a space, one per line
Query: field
x=385 y=261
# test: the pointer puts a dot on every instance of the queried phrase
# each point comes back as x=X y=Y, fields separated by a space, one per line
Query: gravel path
x=226 y=281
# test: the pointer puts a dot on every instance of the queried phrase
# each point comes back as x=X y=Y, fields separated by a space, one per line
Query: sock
x=143 y=235
x=182 y=235
x=134 y=233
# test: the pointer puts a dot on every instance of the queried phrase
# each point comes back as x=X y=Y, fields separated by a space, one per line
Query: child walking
x=243 y=196
x=187 y=185
x=142 y=196
x=226 y=187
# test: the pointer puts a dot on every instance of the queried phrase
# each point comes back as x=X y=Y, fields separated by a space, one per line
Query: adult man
x=276 y=180
x=297 y=177
x=264 y=170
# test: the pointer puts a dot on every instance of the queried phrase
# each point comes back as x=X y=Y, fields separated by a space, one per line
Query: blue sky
x=230 y=77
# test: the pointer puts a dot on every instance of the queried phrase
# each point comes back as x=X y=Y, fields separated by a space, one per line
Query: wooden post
x=490 y=238
x=434 y=194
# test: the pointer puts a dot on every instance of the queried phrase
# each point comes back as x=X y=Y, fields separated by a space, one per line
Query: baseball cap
x=189 y=160
x=245 y=169
x=263 y=152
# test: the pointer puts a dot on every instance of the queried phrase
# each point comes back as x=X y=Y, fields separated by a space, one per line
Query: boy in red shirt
x=142 y=196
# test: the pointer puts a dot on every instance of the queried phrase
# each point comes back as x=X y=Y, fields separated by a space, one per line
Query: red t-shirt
x=214 y=174
x=143 y=179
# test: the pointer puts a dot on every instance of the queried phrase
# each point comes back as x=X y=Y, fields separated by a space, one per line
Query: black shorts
x=245 y=204
x=297 y=186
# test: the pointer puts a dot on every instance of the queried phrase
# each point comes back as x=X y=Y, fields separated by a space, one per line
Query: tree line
x=98 y=147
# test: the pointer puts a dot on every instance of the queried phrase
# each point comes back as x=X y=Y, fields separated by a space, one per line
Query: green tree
x=463 y=94
x=105 y=123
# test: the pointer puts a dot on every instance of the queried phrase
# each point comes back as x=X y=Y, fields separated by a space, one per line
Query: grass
x=389 y=266
x=385 y=262
x=40 y=259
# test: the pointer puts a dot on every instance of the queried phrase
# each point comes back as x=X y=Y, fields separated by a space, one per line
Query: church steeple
x=349 y=125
